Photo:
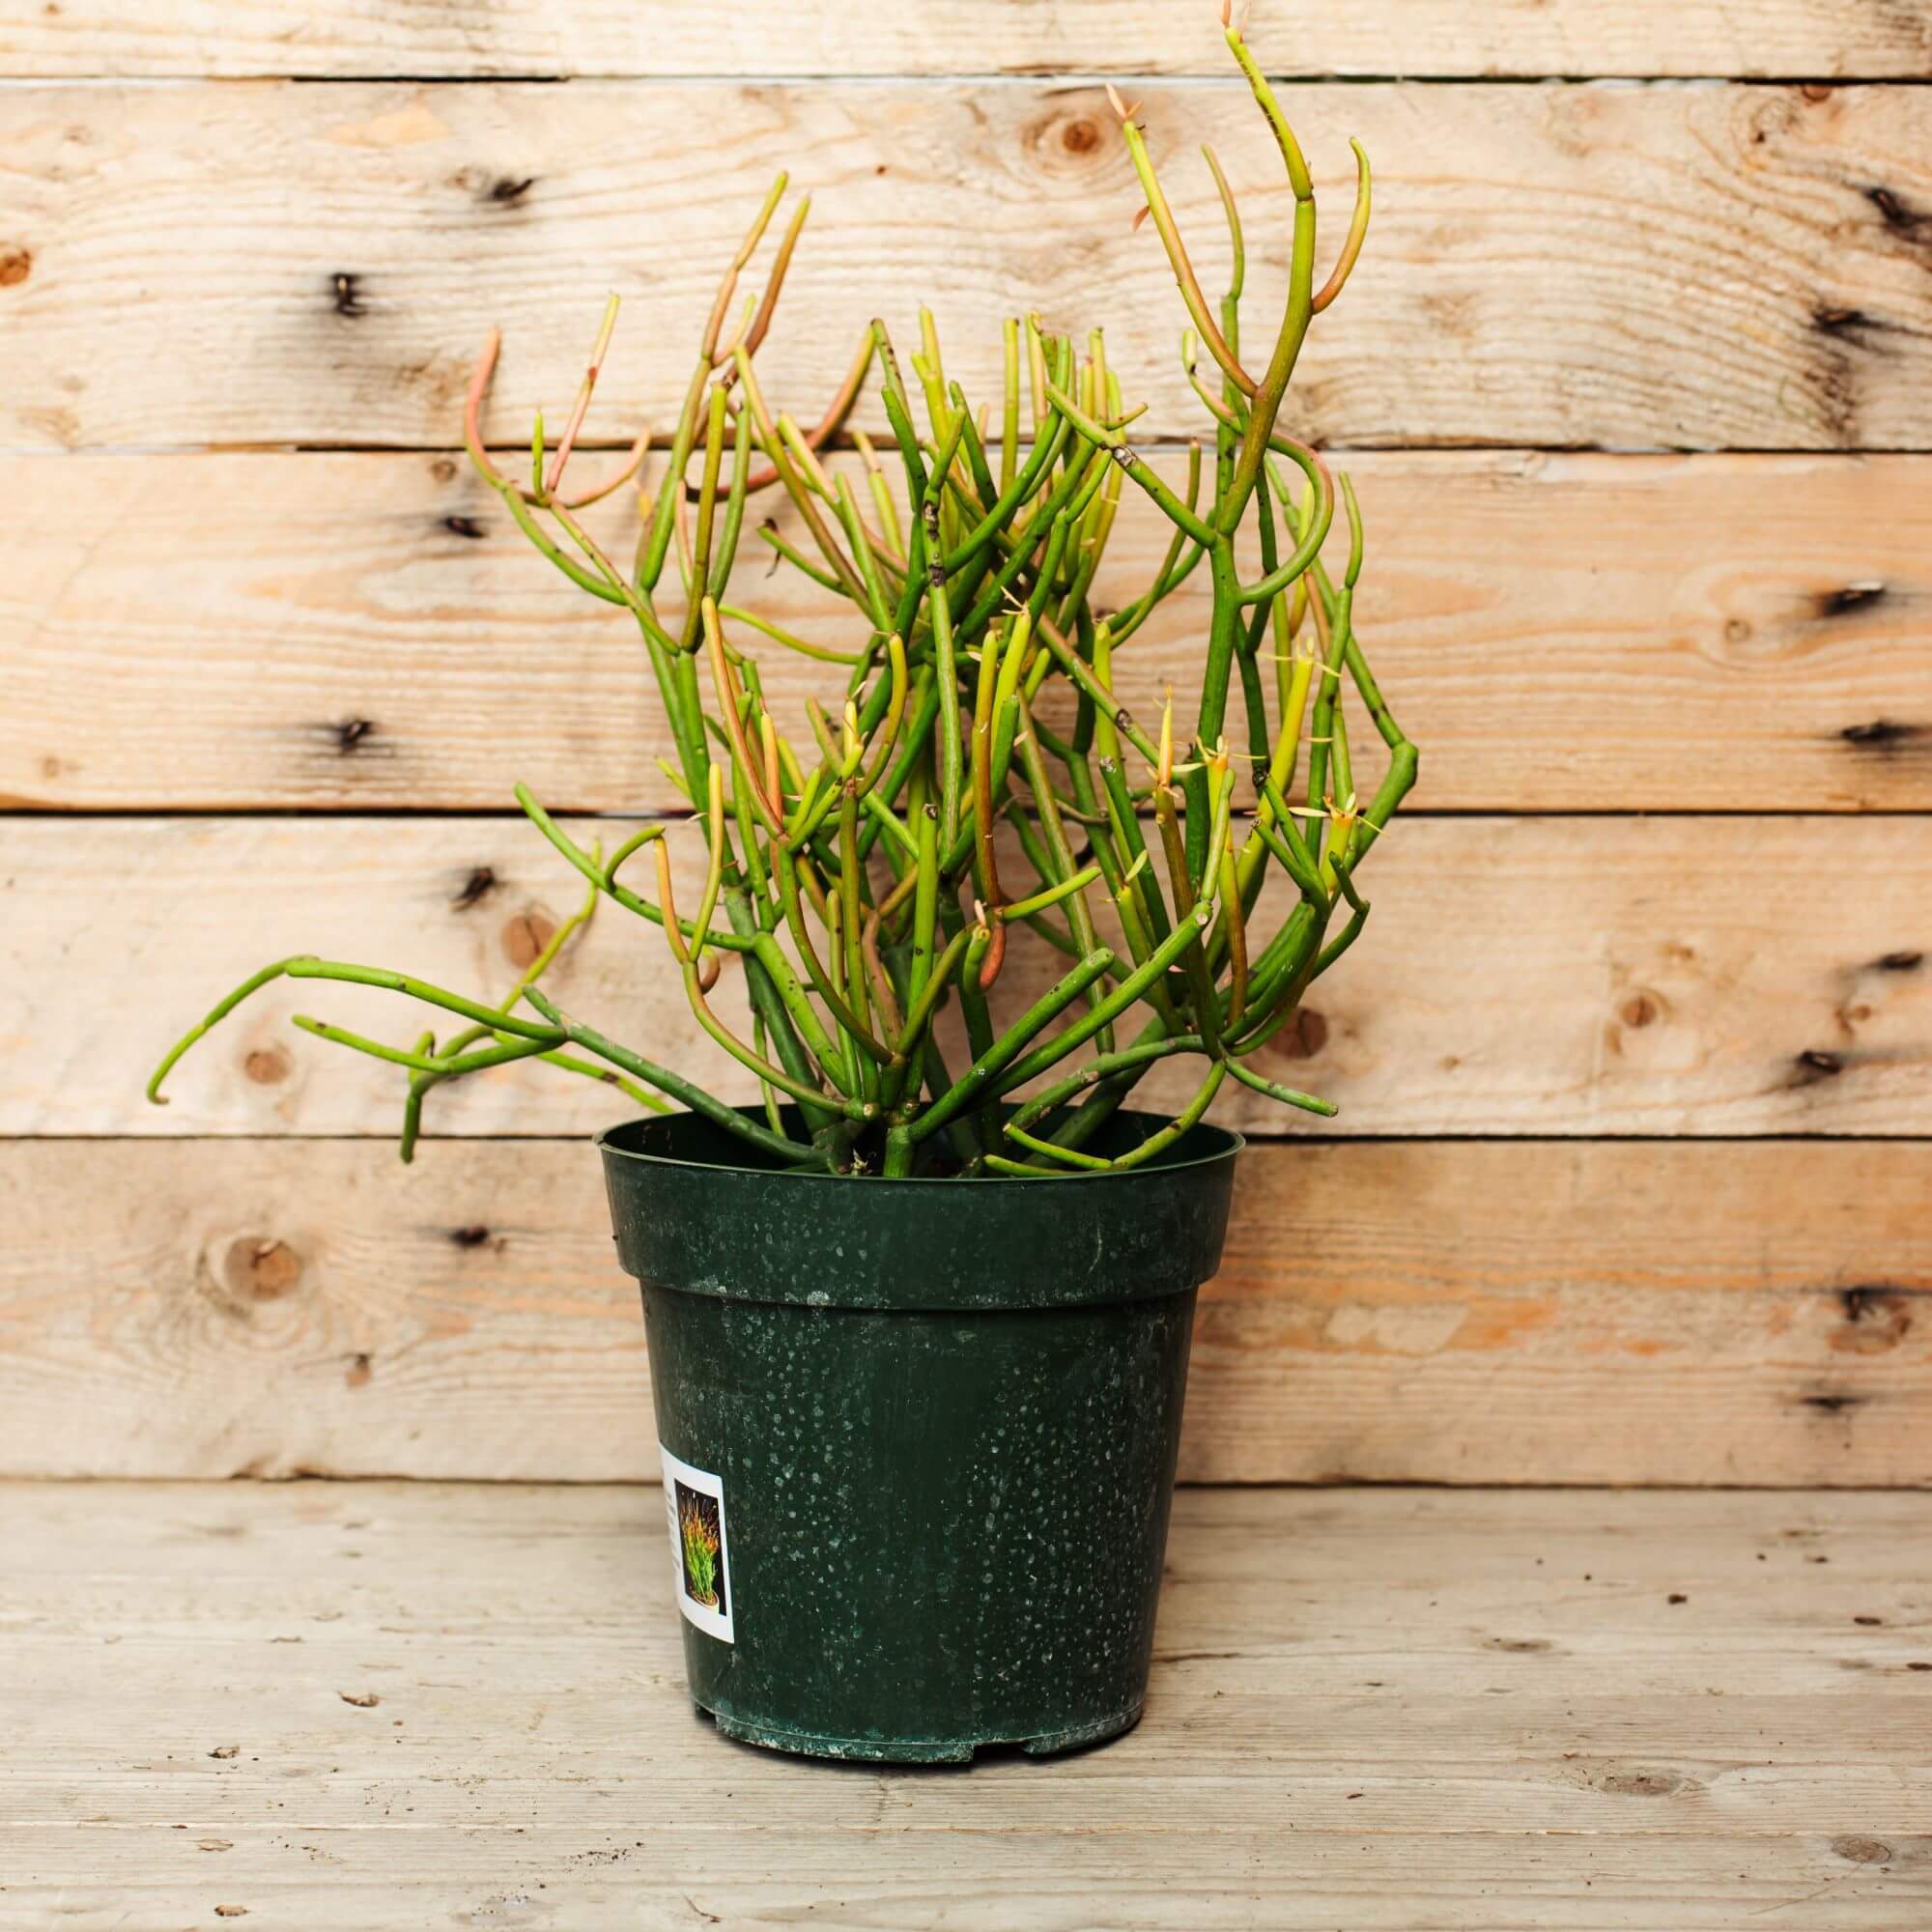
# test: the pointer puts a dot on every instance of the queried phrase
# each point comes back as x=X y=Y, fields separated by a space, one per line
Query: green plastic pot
x=919 y=1435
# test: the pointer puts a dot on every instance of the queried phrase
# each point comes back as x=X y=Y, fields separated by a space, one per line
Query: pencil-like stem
x=1176 y=250
x=953 y=581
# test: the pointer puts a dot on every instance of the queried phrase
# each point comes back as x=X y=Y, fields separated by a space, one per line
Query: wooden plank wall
x=1633 y=1177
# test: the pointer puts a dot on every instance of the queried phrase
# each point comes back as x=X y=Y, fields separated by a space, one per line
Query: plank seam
x=1015 y=77
x=306 y=1474
x=1154 y=447
x=1254 y=1137
x=16 y=812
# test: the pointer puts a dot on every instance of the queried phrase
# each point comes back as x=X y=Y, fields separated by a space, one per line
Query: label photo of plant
x=698 y=1547
x=695 y=1505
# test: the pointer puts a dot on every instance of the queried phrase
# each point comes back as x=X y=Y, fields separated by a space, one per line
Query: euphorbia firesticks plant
x=860 y=878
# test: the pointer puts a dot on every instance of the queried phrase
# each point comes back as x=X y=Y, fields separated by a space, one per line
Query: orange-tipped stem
x=832 y=422
x=1176 y=252
x=728 y=704
x=668 y=906
x=728 y=286
x=598 y=351
x=761 y=319
x=1358 y=228
x=480 y=375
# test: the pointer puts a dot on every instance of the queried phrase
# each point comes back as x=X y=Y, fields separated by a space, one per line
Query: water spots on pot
x=1030 y=1561
x=947 y=1517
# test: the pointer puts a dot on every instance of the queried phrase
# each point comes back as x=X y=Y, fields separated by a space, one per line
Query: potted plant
x=918 y=1323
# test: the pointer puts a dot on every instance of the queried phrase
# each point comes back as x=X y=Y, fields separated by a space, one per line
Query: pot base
x=915 y=1751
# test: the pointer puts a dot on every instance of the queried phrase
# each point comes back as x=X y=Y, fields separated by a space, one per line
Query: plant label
x=699 y=1554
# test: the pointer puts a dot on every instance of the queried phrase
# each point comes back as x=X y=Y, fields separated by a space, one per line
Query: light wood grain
x=1171 y=1877
x=1379 y=1710
x=1657 y=267
x=548 y=38
x=1588 y=976
x=1556 y=632
x=1720 y=267
x=1731 y=1312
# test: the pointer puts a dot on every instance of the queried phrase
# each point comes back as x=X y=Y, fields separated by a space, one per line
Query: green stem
x=676 y=1086
x=998 y=1059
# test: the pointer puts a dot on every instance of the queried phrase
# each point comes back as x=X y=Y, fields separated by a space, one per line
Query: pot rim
x=710 y=1226
x=1227 y=1143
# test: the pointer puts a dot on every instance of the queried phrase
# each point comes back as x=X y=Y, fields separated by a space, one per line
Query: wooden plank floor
x=377 y=1705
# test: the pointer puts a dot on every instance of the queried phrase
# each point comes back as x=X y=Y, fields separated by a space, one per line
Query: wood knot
x=1643 y=1783
x=350 y=733
x=1901 y=962
x=1861 y=1851
x=346 y=293
x=1882 y=734
x=1896 y=211
x=1776 y=113
x=266 y=1066
x=481 y=882
x=471 y=1236
x=1640 y=1009
x=1303 y=1036
x=16 y=264
x=526 y=935
x=1850 y=597
x=464 y=527
x=1830 y=1404
x=1835 y=319
x=259 y=1268
x=359 y=1371
x=1877 y=1320
x=506 y=190
x=1067 y=143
